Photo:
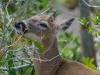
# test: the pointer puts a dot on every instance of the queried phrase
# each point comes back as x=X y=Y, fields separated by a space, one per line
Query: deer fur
x=46 y=31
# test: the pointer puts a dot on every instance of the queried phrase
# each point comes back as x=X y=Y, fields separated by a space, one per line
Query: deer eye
x=43 y=25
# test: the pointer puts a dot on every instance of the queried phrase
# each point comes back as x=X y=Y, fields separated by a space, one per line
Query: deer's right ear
x=66 y=24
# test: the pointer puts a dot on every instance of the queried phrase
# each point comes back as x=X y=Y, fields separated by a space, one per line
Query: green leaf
x=98 y=18
x=88 y=62
x=36 y=43
x=66 y=53
x=91 y=27
x=93 y=20
x=84 y=22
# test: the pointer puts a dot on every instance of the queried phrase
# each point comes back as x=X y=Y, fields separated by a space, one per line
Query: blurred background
x=81 y=42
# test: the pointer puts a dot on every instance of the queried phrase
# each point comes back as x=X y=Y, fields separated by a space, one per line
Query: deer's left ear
x=52 y=16
x=66 y=24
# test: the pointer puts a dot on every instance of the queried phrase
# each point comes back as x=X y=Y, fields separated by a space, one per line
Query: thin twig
x=9 y=46
x=89 y=5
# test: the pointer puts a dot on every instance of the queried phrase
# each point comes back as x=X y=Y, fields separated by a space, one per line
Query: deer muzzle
x=20 y=27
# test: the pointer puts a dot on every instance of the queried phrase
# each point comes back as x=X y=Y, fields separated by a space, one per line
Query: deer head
x=41 y=27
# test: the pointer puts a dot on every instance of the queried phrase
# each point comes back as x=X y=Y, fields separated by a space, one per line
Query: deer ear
x=66 y=24
x=52 y=15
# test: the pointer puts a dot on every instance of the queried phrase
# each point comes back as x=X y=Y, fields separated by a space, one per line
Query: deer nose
x=20 y=25
x=17 y=26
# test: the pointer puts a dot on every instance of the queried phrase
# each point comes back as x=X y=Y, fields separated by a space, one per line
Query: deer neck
x=51 y=64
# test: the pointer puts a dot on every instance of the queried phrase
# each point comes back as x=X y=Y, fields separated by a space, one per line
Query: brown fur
x=57 y=66
x=61 y=67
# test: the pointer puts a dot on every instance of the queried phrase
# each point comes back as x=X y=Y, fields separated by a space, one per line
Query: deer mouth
x=20 y=27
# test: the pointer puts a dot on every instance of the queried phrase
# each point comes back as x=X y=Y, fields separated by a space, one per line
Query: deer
x=44 y=28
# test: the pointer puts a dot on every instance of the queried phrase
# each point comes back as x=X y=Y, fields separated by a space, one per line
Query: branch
x=89 y=5
x=0 y=5
x=17 y=68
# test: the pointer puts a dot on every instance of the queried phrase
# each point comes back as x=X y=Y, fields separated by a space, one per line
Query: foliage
x=69 y=46
x=92 y=25
x=36 y=43
x=88 y=62
x=14 y=57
